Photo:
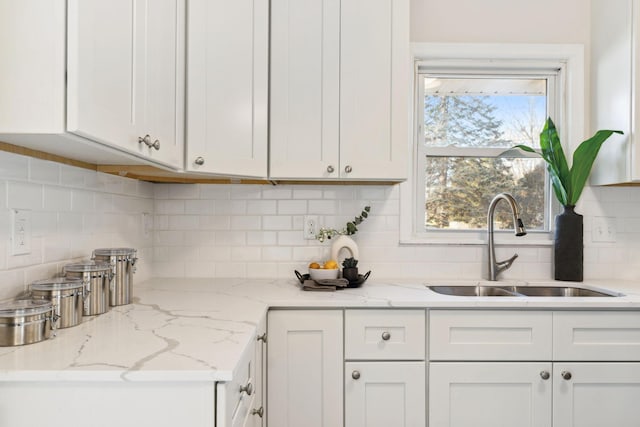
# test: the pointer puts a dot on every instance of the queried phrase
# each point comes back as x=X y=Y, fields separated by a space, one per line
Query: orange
x=331 y=265
x=314 y=265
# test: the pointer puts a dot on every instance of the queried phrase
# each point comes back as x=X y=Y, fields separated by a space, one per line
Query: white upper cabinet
x=227 y=87
x=126 y=74
x=340 y=89
x=86 y=79
x=615 y=93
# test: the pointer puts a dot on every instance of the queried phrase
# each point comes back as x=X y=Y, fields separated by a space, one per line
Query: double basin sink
x=482 y=290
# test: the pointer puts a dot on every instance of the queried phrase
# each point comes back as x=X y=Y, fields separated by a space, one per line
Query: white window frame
x=568 y=58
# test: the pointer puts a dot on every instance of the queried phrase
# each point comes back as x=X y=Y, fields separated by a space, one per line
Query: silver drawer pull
x=247 y=389
x=566 y=375
x=355 y=375
x=545 y=375
x=259 y=412
x=330 y=169
x=262 y=337
x=386 y=336
x=199 y=161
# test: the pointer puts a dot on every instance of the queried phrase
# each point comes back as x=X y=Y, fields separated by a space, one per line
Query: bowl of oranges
x=324 y=271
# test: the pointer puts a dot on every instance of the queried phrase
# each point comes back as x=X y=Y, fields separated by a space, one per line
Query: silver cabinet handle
x=262 y=337
x=348 y=169
x=156 y=144
x=259 y=412
x=199 y=161
x=247 y=389
x=386 y=335
x=355 y=375
x=144 y=139
x=544 y=375
x=566 y=375
x=330 y=169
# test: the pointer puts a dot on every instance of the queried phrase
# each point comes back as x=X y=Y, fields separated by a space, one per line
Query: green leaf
x=568 y=183
x=583 y=159
x=554 y=156
x=351 y=228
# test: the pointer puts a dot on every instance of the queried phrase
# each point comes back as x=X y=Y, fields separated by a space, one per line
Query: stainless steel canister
x=67 y=296
x=96 y=278
x=123 y=264
x=26 y=322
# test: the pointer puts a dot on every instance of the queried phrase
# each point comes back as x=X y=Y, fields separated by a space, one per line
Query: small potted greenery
x=568 y=184
x=350 y=269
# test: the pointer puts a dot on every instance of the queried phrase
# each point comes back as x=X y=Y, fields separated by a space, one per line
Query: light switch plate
x=603 y=229
x=20 y=231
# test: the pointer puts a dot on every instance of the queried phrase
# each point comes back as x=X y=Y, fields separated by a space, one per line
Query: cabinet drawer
x=596 y=335
x=489 y=335
x=235 y=398
x=385 y=334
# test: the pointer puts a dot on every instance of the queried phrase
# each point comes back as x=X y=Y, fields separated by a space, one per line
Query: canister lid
x=24 y=308
x=114 y=251
x=56 y=284
x=87 y=266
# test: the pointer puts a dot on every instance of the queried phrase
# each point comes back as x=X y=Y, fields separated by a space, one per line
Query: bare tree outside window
x=467 y=121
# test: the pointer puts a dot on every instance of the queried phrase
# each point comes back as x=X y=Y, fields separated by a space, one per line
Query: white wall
x=500 y=21
x=73 y=211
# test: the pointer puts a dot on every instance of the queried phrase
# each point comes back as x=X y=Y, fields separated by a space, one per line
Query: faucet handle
x=503 y=265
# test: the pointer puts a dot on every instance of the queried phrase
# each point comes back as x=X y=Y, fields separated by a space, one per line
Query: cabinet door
x=596 y=394
x=227 y=80
x=383 y=394
x=490 y=394
x=305 y=368
x=615 y=93
x=305 y=92
x=124 y=62
x=375 y=93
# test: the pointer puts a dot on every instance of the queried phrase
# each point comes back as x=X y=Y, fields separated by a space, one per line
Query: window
x=469 y=113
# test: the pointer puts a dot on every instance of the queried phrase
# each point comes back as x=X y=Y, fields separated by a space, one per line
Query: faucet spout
x=496 y=267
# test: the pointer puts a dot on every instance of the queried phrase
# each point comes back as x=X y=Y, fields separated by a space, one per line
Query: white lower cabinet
x=596 y=394
x=305 y=368
x=470 y=384
x=488 y=394
x=383 y=394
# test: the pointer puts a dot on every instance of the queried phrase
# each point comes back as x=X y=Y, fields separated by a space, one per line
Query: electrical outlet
x=20 y=232
x=603 y=229
x=310 y=227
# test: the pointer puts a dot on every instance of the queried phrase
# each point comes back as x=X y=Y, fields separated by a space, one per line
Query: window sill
x=539 y=240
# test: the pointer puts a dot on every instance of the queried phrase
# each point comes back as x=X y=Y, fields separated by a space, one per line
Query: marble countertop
x=197 y=329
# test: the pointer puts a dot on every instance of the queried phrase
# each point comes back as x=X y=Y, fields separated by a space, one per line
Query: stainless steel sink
x=473 y=291
x=520 y=291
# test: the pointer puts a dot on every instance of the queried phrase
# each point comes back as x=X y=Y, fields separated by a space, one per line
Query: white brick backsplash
x=276 y=222
x=184 y=222
x=184 y=191
x=82 y=201
x=217 y=230
x=231 y=269
x=307 y=193
x=245 y=192
x=169 y=207
x=292 y=207
x=199 y=207
x=246 y=223
x=277 y=193
x=262 y=238
x=231 y=238
x=246 y=253
x=24 y=196
x=262 y=207
x=234 y=207
x=57 y=199
x=211 y=222
x=73 y=211
x=44 y=171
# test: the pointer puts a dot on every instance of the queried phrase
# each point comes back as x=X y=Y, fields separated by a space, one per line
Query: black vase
x=350 y=273
x=568 y=247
